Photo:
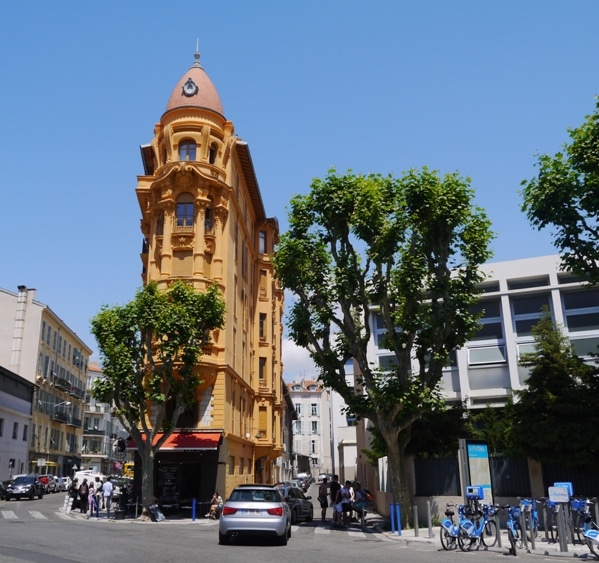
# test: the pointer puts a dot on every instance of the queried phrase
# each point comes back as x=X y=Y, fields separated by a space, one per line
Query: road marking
x=38 y=515
x=354 y=534
x=325 y=531
x=63 y=515
x=9 y=514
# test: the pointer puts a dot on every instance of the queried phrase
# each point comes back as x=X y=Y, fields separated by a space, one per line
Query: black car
x=25 y=486
x=300 y=504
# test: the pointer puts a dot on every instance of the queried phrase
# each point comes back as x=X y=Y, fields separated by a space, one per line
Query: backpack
x=83 y=490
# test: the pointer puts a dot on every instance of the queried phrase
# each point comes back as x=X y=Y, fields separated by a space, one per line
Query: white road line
x=354 y=534
x=9 y=514
x=38 y=515
x=63 y=515
x=325 y=531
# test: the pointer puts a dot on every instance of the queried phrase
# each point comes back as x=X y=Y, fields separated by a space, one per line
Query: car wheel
x=41 y=495
x=310 y=516
x=283 y=539
x=223 y=539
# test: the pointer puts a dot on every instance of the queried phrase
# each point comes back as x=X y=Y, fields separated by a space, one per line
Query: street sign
x=41 y=462
x=559 y=494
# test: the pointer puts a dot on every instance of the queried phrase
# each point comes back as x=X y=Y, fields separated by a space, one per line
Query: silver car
x=255 y=510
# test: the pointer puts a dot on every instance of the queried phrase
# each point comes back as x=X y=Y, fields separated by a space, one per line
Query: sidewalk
x=542 y=546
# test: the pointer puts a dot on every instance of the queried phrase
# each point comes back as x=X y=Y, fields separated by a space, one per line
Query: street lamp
x=61 y=416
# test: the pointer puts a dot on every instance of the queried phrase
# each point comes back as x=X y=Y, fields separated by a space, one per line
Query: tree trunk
x=147 y=480
x=400 y=488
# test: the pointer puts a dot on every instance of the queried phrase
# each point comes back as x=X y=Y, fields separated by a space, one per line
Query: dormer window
x=187 y=150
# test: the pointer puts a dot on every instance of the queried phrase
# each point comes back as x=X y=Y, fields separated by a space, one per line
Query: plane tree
x=564 y=197
x=400 y=252
x=149 y=351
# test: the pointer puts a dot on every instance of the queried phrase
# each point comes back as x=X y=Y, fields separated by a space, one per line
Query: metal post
x=429 y=519
x=497 y=528
x=416 y=524
x=398 y=518
x=531 y=525
x=392 y=513
x=523 y=529
x=561 y=527
x=193 y=510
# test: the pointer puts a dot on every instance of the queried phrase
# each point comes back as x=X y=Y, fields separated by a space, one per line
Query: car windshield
x=255 y=495
x=23 y=480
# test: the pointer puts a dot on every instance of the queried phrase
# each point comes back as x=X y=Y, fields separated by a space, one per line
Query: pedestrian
x=73 y=493
x=345 y=496
x=83 y=495
x=322 y=499
x=91 y=500
x=107 y=489
x=98 y=494
x=335 y=500
x=360 y=499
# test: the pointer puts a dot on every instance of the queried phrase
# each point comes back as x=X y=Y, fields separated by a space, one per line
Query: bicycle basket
x=516 y=512
x=578 y=504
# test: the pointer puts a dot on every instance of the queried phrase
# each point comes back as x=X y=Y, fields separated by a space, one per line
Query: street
x=38 y=531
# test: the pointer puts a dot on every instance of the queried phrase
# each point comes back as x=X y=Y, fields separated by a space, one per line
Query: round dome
x=196 y=90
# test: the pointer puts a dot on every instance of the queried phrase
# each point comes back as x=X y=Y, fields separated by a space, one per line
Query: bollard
x=497 y=528
x=193 y=510
x=395 y=512
x=398 y=517
x=429 y=516
x=392 y=514
x=416 y=524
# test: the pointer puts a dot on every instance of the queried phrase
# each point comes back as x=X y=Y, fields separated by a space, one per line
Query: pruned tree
x=556 y=415
x=149 y=350
x=404 y=250
x=565 y=197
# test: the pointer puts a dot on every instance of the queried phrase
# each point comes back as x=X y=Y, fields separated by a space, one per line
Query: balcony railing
x=62 y=384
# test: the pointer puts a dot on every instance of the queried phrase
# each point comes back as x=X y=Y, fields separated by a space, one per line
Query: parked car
x=300 y=504
x=2 y=490
x=63 y=484
x=49 y=483
x=255 y=510
x=25 y=486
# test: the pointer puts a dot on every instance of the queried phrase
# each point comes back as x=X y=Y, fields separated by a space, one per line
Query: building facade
x=486 y=370
x=16 y=400
x=203 y=221
x=37 y=345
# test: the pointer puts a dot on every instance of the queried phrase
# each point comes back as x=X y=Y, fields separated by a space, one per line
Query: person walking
x=322 y=499
x=84 y=495
x=335 y=500
x=91 y=500
x=73 y=494
x=98 y=493
x=107 y=489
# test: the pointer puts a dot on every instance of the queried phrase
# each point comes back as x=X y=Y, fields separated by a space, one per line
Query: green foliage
x=149 y=349
x=407 y=248
x=492 y=425
x=557 y=415
x=565 y=196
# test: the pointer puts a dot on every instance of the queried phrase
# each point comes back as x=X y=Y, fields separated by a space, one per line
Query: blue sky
x=381 y=86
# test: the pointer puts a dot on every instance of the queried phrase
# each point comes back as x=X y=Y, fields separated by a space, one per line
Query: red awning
x=186 y=441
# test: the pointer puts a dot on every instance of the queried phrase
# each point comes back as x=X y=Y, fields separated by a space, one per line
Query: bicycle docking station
x=560 y=494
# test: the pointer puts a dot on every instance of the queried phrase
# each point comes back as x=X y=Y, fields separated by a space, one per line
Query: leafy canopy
x=150 y=348
x=565 y=196
x=405 y=249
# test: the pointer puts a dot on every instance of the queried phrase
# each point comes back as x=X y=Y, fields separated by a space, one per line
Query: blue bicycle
x=528 y=506
x=479 y=529
x=449 y=528
x=513 y=527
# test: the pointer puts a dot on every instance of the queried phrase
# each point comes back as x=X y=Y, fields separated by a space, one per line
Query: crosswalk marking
x=63 y=515
x=325 y=531
x=9 y=514
x=356 y=534
x=38 y=515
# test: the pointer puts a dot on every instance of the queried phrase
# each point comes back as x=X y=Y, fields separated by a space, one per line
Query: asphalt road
x=39 y=531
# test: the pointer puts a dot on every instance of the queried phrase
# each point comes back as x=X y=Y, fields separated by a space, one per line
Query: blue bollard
x=392 y=513
x=193 y=510
x=398 y=518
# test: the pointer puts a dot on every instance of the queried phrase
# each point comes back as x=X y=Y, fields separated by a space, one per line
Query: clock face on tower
x=190 y=88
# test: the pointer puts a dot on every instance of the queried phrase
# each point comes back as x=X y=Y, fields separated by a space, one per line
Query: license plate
x=250 y=512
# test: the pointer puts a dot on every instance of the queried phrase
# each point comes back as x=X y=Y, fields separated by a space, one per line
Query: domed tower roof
x=195 y=90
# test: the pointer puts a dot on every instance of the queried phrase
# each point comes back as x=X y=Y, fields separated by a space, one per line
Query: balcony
x=76 y=392
x=93 y=432
x=62 y=384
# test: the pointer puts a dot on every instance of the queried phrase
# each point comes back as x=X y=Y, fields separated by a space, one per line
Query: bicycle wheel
x=578 y=528
x=535 y=526
x=552 y=528
x=448 y=542
x=489 y=534
x=466 y=541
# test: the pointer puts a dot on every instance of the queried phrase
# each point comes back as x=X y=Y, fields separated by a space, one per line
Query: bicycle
x=513 y=528
x=449 y=528
x=528 y=506
x=551 y=514
x=582 y=521
x=479 y=529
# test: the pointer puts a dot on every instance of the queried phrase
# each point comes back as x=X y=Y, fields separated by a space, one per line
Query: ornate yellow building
x=203 y=220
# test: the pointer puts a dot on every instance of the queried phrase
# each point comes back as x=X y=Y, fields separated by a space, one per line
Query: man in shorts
x=334 y=489
x=322 y=498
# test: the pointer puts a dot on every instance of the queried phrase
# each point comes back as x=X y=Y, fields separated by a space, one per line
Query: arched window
x=212 y=153
x=185 y=210
x=187 y=149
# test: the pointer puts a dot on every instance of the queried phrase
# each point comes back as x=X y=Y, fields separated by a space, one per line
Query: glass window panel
x=486 y=355
x=588 y=321
x=530 y=304
x=491 y=307
x=527 y=348
x=581 y=299
x=584 y=347
x=387 y=362
x=489 y=331
x=524 y=326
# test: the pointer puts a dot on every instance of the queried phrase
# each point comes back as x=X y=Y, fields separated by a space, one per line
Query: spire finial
x=197 y=55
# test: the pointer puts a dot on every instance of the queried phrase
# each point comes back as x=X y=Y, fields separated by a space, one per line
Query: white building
x=37 y=345
x=486 y=370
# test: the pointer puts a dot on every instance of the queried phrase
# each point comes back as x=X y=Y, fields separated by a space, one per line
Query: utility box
x=474 y=492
